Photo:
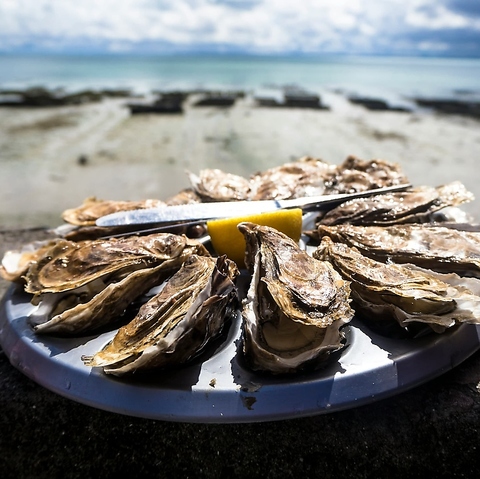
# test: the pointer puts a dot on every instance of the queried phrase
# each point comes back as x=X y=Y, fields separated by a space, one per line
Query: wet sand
x=53 y=158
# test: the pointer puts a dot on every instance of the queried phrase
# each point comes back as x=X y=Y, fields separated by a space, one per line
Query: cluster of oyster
x=404 y=258
x=305 y=177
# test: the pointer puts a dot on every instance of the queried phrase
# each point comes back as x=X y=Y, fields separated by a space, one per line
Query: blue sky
x=423 y=27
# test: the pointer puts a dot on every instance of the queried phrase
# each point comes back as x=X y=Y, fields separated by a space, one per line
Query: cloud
x=255 y=26
x=470 y=8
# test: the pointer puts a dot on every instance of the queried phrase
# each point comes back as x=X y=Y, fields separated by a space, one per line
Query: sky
x=396 y=27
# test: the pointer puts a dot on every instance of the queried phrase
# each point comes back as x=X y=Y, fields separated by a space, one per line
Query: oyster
x=96 y=304
x=304 y=177
x=355 y=175
x=216 y=185
x=81 y=287
x=434 y=247
x=69 y=264
x=295 y=305
x=416 y=205
x=176 y=324
x=400 y=292
x=92 y=209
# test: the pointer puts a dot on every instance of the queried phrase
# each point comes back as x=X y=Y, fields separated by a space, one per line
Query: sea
x=380 y=76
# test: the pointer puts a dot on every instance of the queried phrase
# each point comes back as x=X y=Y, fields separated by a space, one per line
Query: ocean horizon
x=380 y=76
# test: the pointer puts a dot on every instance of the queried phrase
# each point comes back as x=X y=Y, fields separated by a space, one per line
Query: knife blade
x=229 y=209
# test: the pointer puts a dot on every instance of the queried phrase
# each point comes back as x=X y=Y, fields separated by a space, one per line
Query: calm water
x=364 y=75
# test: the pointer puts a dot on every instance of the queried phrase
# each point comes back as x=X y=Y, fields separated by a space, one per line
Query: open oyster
x=96 y=304
x=438 y=248
x=177 y=323
x=81 y=287
x=401 y=292
x=93 y=208
x=70 y=264
x=416 y=205
x=295 y=305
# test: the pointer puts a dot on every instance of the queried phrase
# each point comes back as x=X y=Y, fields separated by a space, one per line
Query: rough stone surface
x=432 y=430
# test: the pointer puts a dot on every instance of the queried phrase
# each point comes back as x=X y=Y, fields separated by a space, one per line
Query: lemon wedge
x=227 y=239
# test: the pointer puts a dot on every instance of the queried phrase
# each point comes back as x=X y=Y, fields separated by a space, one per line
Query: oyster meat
x=416 y=205
x=295 y=305
x=15 y=263
x=81 y=287
x=401 y=292
x=177 y=323
x=433 y=247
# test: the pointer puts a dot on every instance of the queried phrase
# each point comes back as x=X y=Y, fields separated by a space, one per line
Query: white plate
x=216 y=388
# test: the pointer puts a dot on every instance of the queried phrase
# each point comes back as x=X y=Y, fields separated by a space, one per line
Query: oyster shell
x=81 y=287
x=96 y=304
x=92 y=209
x=416 y=205
x=295 y=305
x=400 y=292
x=70 y=264
x=304 y=177
x=355 y=174
x=216 y=185
x=176 y=324
x=433 y=247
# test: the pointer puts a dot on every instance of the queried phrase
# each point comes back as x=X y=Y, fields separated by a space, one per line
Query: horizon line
x=236 y=53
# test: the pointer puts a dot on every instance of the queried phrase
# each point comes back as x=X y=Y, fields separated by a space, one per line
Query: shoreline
x=52 y=158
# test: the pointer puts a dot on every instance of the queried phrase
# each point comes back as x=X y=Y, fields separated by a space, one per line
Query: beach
x=53 y=158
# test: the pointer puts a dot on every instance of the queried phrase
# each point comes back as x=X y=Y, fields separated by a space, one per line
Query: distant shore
x=52 y=157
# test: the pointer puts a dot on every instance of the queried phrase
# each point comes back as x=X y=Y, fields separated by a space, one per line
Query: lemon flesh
x=227 y=239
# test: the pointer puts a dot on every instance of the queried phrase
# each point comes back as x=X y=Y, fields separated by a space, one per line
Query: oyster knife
x=228 y=209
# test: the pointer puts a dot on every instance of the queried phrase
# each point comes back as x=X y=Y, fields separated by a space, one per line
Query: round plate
x=216 y=387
